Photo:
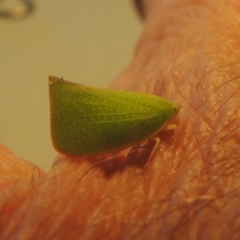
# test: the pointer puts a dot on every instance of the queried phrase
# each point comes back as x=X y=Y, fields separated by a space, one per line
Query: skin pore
x=189 y=53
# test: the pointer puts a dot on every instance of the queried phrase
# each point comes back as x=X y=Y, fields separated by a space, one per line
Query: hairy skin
x=189 y=53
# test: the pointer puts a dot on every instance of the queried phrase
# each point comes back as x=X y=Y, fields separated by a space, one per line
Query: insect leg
x=157 y=140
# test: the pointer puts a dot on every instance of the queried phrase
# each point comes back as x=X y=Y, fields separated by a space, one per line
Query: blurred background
x=88 y=42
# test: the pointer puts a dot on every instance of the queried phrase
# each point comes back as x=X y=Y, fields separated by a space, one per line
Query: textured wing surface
x=89 y=121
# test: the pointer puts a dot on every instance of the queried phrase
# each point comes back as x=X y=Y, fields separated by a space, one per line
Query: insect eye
x=176 y=109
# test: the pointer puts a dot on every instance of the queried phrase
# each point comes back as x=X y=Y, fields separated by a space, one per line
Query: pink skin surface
x=189 y=53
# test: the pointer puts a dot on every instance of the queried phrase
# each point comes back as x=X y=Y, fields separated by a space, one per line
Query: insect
x=87 y=121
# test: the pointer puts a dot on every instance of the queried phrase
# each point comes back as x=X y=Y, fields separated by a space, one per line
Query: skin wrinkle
x=190 y=190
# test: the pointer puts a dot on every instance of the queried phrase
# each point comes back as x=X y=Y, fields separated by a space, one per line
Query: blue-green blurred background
x=89 y=42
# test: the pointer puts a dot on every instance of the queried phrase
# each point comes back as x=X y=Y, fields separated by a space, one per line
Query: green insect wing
x=89 y=121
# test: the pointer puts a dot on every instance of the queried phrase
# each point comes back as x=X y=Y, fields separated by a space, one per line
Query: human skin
x=189 y=53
